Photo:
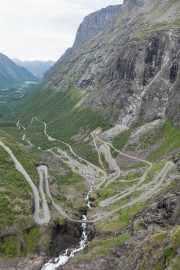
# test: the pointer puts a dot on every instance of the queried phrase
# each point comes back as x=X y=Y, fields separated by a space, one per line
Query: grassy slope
x=64 y=119
x=58 y=110
x=16 y=197
x=170 y=143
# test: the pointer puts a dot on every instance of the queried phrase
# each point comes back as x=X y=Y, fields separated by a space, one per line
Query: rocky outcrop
x=164 y=212
x=63 y=236
x=94 y=23
x=154 y=231
x=126 y=58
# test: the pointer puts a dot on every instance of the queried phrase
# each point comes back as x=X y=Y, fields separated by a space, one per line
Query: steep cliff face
x=126 y=58
x=94 y=23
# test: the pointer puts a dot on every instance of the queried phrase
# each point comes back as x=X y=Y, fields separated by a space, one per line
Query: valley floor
x=112 y=189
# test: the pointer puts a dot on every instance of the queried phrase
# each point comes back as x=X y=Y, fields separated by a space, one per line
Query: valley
x=108 y=188
x=90 y=157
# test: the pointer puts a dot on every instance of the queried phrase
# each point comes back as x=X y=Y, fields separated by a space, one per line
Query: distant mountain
x=11 y=74
x=36 y=67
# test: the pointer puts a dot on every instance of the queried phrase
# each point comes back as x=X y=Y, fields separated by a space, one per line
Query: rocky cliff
x=94 y=23
x=126 y=58
x=125 y=61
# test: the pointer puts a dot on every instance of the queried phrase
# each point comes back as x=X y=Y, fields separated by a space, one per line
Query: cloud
x=42 y=29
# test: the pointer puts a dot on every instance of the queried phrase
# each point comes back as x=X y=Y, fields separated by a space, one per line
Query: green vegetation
x=18 y=92
x=153 y=171
x=166 y=135
x=171 y=142
x=86 y=151
x=59 y=111
x=70 y=178
x=138 y=165
x=121 y=219
x=120 y=140
x=13 y=246
x=63 y=117
x=142 y=34
x=113 y=189
x=100 y=247
x=15 y=192
x=106 y=165
x=30 y=238
x=9 y=246
x=131 y=176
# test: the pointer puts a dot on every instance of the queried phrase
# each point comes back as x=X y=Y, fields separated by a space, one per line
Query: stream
x=64 y=257
x=41 y=214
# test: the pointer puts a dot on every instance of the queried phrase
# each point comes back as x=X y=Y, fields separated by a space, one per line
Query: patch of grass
x=101 y=247
x=30 y=239
x=13 y=186
x=63 y=117
x=135 y=166
x=21 y=245
x=131 y=176
x=70 y=178
x=113 y=189
x=9 y=247
x=153 y=252
x=171 y=141
x=142 y=34
x=120 y=140
x=175 y=238
x=86 y=151
x=169 y=254
x=122 y=219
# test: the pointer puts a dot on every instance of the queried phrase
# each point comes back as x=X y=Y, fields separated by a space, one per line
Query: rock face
x=94 y=23
x=126 y=58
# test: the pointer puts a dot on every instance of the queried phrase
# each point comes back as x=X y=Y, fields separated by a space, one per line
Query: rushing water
x=53 y=264
x=63 y=258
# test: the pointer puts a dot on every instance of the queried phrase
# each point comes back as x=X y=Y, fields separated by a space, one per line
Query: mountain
x=36 y=67
x=102 y=132
x=126 y=58
x=11 y=74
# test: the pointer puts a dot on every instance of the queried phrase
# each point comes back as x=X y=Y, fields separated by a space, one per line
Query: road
x=90 y=172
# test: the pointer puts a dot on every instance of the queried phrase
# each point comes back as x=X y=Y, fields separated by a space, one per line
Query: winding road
x=89 y=171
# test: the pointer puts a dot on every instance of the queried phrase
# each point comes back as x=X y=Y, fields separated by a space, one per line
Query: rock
x=128 y=67
x=94 y=23
x=31 y=262
x=99 y=264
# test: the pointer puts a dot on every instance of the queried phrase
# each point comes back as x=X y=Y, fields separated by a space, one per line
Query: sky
x=42 y=29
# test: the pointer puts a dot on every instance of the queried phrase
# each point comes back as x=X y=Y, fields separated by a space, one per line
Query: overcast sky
x=42 y=29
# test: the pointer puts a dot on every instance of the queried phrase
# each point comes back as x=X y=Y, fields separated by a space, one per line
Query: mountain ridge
x=107 y=66
x=11 y=74
x=36 y=67
x=127 y=73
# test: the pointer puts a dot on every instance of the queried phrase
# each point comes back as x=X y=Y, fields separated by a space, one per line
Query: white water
x=64 y=257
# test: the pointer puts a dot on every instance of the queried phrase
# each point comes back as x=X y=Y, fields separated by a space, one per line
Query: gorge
x=90 y=160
